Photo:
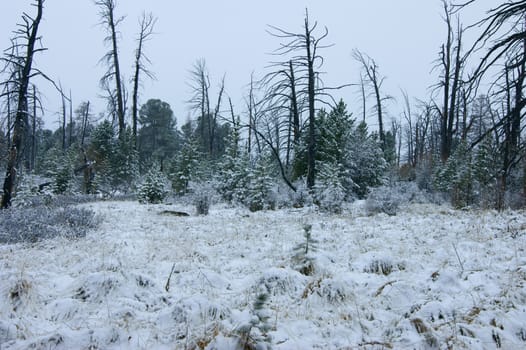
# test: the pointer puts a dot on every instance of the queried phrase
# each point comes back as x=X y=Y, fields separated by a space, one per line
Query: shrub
x=203 y=194
x=383 y=200
x=39 y=223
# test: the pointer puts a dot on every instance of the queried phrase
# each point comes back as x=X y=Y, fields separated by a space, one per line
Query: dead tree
x=253 y=111
x=111 y=59
x=200 y=103
x=451 y=63
x=375 y=81
x=147 y=24
x=504 y=32
x=281 y=100
x=83 y=115
x=302 y=78
x=26 y=39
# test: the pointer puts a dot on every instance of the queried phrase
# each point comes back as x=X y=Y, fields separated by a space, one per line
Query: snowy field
x=430 y=277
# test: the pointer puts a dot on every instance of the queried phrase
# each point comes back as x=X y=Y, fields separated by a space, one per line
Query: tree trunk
x=118 y=83
x=18 y=131
x=311 y=147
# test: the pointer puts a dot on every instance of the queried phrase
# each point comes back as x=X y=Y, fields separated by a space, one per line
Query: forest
x=288 y=222
x=292 y=144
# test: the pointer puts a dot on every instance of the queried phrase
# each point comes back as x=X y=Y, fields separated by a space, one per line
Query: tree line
x=465 y=140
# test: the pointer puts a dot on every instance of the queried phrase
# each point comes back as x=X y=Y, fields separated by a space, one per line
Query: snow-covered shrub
x=33 y=191
x=330 y=290
x=18 y=293
x=383 y=200
x=301 y=197
x=280 y=281
x=35 y=224
x=203 y=194
x=202 y=204
x=380 y=267
x=383 y=266
x=97 y=286
x=426 y=332
x=153 y=188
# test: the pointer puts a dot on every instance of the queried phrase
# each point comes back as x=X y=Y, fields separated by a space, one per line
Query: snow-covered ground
x=430 y=277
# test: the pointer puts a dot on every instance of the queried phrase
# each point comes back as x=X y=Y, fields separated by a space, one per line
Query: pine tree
x=259 y=186
x=303 y=259
x=153 y=188
x=335 y=131
x=185 y=167
x=365 y=161
x=485 y=172
x=233 y=170
x=329 y=190
x=116 y=163
x=456 y=177
x=124 y=164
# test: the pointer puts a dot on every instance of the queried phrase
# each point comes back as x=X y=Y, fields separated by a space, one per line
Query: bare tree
x=253 y=113
x=281 y=100
x=302 y=78
x=36 y=124
x=451 y=63
x=200 y=103
x=375 y=81
x=26 y=38
x=504 y=31
x=111 y=59
x=83 y=116
x=147 y=24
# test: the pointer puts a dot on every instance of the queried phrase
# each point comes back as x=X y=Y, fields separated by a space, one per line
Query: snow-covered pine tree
x=185 y=166
x=365 y=161
x=153 y=188
x=260 y=183
x=455 y=177
x=303 y=259
x=329 y=190
x=124 y=164
x=116 y=161
x=485 y=172
x=333 y=180
x=234 y=168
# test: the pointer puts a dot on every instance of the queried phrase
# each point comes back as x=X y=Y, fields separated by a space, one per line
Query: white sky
x=403 y=36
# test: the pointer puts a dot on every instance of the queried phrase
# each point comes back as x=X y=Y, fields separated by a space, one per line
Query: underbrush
x=40 y=222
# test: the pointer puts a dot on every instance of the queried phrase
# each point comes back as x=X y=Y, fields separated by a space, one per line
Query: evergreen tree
x=365 y=161
x=233 y=170
x=158 y=139
x=259 y=186
x=116 y=164
x=335 y=130
x=455 y=177
x=124 y=167
x=330 y=191
x=185 y=166
x=486 y=171
x=153 y=188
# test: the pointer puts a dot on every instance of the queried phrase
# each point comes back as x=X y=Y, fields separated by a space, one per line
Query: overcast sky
x=403 y=36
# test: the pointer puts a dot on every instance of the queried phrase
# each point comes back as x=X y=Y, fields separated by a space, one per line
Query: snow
x=429 y=277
